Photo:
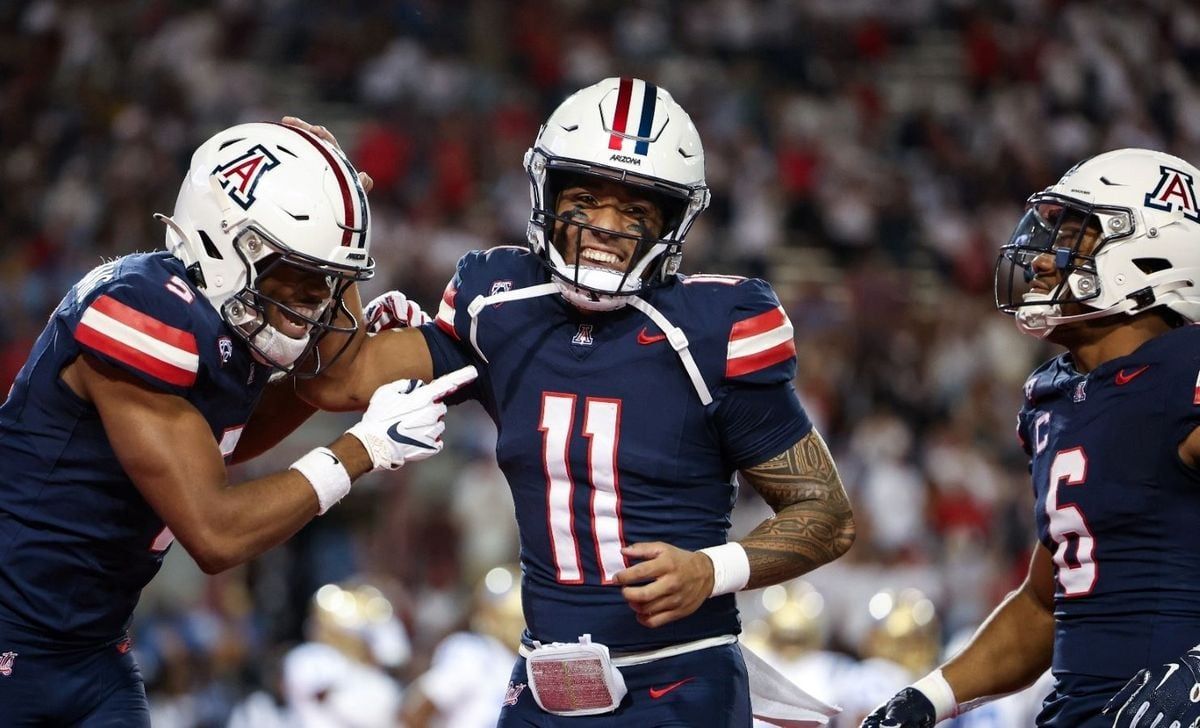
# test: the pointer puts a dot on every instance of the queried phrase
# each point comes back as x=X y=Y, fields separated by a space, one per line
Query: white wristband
x=731 y=567
x=326 y=475
x=939 y=692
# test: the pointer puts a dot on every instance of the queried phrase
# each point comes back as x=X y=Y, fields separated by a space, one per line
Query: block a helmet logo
x=239 y=177
x=1175 y=188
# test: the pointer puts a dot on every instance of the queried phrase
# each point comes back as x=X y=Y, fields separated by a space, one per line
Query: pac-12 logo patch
x=6 y=663
x=225 y=349
x=1175 y=189
x=240 y=176
x=500 y=287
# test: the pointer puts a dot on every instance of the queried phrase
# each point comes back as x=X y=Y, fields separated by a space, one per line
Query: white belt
x=628 y=659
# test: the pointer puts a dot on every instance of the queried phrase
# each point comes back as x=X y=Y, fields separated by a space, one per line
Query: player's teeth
x=599 y=256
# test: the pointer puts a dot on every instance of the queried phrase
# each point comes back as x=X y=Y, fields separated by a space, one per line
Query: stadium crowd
x=866 y=157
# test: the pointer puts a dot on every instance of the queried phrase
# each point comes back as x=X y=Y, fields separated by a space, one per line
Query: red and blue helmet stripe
x=645 y=123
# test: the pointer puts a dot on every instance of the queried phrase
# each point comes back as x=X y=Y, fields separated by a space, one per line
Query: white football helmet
x=1138 y=210
x=258 y=196
x=633 y=132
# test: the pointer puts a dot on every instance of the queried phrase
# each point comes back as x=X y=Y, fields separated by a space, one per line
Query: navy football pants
x=89 y=688
x=703 y=688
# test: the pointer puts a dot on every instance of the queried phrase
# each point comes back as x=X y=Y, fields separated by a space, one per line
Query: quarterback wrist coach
x=326 y=474
x=731 y=567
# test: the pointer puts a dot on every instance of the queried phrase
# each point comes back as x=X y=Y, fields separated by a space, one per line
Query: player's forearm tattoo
x=813 y=523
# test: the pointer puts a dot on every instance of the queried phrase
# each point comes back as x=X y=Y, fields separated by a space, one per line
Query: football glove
x=908 y=708
x=403 y=421
x=393 y=310
x=1167 y=696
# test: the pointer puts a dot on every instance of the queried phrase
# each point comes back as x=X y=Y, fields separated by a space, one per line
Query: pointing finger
x=449 y=383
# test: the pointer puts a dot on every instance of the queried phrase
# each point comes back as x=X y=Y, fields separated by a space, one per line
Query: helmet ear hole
x=210 y=248
x=1152 y=265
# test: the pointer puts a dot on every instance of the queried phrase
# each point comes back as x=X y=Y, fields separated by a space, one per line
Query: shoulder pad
x=140 y=319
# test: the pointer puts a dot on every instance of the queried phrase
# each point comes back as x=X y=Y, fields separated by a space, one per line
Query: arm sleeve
x=757 y=422
x=448 y=335
x=138 y=325
x=760 y=347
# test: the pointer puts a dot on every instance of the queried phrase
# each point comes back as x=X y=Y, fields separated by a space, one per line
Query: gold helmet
x=796 y=621
x=360 y=622
x=496 y=608
x=904 y=629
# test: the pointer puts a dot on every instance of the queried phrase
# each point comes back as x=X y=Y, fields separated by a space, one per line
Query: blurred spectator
x=869 y=153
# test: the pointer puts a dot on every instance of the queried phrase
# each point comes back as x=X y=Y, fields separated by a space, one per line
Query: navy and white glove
x=908 y=708
x=403 y=422
x=1167 y=696
x=393 y=310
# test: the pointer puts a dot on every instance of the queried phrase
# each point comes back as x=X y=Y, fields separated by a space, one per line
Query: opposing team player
x=626 y=397
x=1104 y=263
x=114 y=438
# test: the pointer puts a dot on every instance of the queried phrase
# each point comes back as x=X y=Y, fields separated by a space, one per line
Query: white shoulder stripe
x=140 y=341
x=761 y=342
x=445 y=313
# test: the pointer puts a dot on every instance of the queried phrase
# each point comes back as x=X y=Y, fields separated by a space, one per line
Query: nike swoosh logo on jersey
x=394 y=433
x=656 y=693
x=1123 y=378
x=645 y=338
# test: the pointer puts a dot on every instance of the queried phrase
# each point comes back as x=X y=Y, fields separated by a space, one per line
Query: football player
x=1104 y=263
x=467 y=680
x=147 y=381
x=626 y=396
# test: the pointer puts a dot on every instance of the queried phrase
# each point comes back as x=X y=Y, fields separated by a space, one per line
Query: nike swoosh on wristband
x=334 y=457
x=656 y=693
x=394 y=433
x=645 y=338
x=1123 y=378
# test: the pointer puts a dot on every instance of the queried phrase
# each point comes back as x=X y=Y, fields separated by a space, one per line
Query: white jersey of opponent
x=467 y=680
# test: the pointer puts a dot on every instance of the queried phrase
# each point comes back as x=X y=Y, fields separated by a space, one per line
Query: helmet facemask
x=1067 y=231
x=247 y=311
x=590 y=283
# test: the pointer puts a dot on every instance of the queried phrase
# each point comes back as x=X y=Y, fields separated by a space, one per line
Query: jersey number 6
x=1078 y=574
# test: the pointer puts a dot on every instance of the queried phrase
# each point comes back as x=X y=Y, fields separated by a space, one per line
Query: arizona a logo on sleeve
x=1175 y=189
x=240 y=176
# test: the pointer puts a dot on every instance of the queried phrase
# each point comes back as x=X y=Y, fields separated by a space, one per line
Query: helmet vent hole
x=231 y=141
x=210 y=248
x=285 y=150
x=1152 y=265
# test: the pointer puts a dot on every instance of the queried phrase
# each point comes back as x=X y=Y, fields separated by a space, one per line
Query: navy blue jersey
x=602 y=436
x=1119 y=512
x=77 y=540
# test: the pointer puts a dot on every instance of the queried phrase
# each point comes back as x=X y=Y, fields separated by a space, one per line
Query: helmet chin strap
x=269 y=346
x=275 y=349
x=1039 y=321
x=594 y=278
x=593 y=288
